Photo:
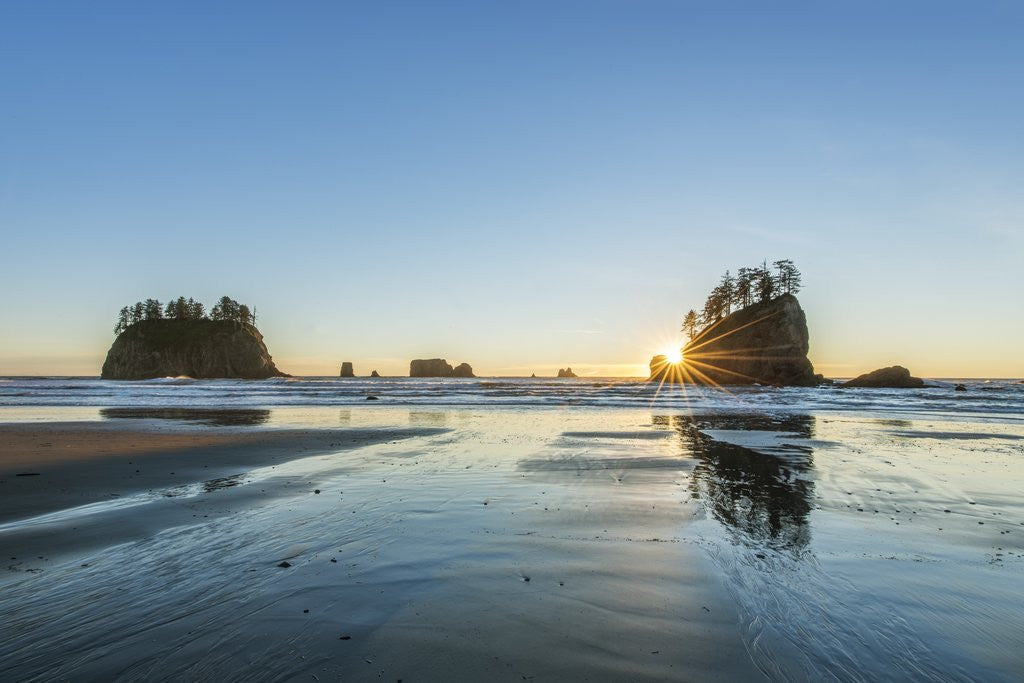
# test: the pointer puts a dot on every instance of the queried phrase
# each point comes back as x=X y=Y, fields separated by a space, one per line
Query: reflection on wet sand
x=217 y=417
x=427 y=418
x=762 y=499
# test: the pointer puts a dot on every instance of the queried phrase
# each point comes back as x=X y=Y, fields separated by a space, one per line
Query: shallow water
x=552 y=543
x=984 y=397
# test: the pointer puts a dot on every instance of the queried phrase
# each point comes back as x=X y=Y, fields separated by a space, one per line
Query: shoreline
x=74 y=486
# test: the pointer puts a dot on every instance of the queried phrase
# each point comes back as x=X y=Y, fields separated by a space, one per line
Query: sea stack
x=463 y=370
x=438 y=367
x=374 y=374
x=894 y=377
x=566 y=373
x=346 y=370
x=202 y=349
x=765 y=343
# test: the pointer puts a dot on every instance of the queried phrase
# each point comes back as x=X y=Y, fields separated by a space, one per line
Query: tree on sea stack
x=690 y=324
x=751 y=285
x=788 y=279
x=183 y=309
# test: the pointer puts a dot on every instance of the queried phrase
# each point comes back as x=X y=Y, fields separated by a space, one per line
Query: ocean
x=997 y=397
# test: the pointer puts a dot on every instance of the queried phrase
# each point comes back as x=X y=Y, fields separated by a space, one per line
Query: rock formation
x=438 y=367
x=463 y=370
x=203 y=349
x=566 y=373
x=346 y=370
x=434 y=367
x=374 y=374
x=895 y=377
x=765 y=343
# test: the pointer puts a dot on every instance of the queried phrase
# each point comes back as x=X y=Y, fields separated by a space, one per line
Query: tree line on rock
x=181 y=308
x=759 y=284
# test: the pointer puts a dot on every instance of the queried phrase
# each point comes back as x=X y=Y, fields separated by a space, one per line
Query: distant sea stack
x=374 y=374
x=346 y=370
x=765 y=343
x=203 y=349
x=566 y=373
x=463 y=370
x=895 y=377
x=438 y=367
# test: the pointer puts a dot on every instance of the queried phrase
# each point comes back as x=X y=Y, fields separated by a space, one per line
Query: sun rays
x=701 y=363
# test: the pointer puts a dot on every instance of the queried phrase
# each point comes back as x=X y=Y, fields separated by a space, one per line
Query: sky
x=521 y=185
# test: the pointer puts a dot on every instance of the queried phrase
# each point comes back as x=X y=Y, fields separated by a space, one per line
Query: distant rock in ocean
x=894 y=377
x=463 y=370
x=438 y=367
x=203 y=349
x=566 y=373
x=374 y=374
x=433 y=367
x=346 y=370
x=765 y=343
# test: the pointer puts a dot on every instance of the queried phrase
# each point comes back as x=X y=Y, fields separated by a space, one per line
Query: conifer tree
x=138 y=312
x=744 y=286
x=727 y=292
x=787 y=277
x=123 y=320
x=764 y=283
x=690 y=323
x=194 y=309
x=153 y=309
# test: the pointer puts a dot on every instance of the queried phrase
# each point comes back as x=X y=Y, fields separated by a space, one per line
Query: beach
x=432 y=542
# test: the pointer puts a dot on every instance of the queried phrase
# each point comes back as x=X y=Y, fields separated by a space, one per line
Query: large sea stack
x=203 y=349
x=765 y=343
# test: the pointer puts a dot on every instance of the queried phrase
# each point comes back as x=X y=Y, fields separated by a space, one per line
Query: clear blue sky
x=519 y=185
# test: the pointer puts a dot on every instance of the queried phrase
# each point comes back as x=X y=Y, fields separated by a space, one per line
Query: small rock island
x=438 y=367
x=181 y=340
x=566 y=373
x=894 y=377
x=347 y=370
x=752 y=331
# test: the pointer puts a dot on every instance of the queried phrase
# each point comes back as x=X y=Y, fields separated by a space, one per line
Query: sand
x=519 y=544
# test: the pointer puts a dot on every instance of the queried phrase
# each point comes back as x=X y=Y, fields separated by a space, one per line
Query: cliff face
x=763 y=344
x=203 y=349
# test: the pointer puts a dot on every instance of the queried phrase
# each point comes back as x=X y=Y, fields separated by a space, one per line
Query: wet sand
x=536 y=544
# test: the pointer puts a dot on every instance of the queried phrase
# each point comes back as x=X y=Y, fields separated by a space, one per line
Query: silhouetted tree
x=727 y=292
x=764 y=283
x=744 y=287
x=153 y=309
x=244 y=315
x=138 y=313
x=195 y=309
x=123 y=320
x=787 y=277
x=690 y=323
x=225 y=309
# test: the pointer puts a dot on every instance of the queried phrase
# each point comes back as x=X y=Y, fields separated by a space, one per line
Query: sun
x=673 y=356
